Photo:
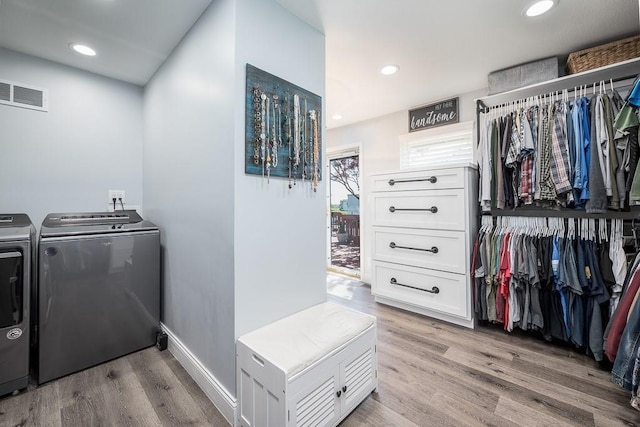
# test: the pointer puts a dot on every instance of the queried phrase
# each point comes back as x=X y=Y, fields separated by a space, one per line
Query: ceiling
x=132 y=37
x=443 y=48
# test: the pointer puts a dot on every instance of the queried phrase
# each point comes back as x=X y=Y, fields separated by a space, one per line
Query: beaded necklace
x=296 y=135
x=257 y=117
x=263 y=130
x=315 y=118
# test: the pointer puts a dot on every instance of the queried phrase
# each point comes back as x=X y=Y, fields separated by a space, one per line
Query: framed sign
x=434 y=115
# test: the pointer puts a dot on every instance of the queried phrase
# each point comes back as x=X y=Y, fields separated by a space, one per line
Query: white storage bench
x=309 y=369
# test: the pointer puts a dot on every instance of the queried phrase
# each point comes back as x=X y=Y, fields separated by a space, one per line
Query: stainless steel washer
x=98 y=289
x=16 y=245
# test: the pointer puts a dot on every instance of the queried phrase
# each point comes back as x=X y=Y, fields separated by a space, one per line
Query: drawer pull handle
x=432 y=209
x=258 y=360
x=344 y=388
x=431 y=179
x=434 y=289
x=339 y=393
x=433 y=250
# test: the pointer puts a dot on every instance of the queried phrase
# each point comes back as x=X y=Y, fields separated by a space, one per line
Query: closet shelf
x=616 y=72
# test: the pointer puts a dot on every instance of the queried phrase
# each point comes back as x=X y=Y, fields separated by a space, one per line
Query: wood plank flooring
x=147 y=388
x=430 y=374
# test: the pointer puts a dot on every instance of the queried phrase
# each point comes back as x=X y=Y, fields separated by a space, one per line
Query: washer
x=98 y=289
x=17 y=235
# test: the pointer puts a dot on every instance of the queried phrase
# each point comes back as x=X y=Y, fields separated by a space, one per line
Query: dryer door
x=11 y=306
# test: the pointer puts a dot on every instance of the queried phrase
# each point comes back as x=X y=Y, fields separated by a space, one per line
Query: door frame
x=338 y=152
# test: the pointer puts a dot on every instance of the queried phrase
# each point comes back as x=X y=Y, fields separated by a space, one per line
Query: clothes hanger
x=570 y=228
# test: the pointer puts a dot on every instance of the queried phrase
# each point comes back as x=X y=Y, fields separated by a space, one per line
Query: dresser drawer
x=419 y=180
x=439 y=250
x=434 y=290
x=441 y=209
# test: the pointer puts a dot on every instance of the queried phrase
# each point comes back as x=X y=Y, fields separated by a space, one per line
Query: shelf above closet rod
x=616 y=72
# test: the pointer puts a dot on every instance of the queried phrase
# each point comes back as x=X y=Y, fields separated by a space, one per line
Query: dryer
x=16 y=245
x=98 y=289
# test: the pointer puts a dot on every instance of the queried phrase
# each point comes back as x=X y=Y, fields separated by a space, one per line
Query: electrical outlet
x=117 y=194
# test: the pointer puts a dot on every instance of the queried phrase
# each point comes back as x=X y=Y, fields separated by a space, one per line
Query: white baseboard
x=219 y=396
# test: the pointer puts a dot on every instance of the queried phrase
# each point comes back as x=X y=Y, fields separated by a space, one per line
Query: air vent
x=5 y=92
x=25 y=96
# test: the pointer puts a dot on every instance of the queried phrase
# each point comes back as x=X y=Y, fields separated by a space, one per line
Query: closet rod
x=481 y=107
x=535 y=211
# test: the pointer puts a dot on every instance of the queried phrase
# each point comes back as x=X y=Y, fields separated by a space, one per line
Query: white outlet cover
x=117 y=194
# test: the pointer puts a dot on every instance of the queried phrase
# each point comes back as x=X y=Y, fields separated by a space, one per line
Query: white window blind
x=437 y=150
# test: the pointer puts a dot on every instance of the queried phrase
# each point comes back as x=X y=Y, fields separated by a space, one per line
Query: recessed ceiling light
x=539 y=7
x=336 y=117
x=387 y=70
x=83 y=49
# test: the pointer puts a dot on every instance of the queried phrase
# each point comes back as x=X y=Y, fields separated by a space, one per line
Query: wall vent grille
x=5 y=92
x=24 y=96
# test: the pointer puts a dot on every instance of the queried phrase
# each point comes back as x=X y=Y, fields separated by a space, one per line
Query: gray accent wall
x=279 y=233
x=189 y=187
x=238 y=252
x=66 y=159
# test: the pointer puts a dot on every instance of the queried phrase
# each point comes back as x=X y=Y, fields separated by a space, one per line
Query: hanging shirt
x=484 y=165
x=602 y=144
x=560 y=167
x=634 y=190
x=507 y=170
x=527 y=167
x=614 y=201
x=497 y=155
x=597 y=192
x=547 y=188
x=585 y=132
x=618 y=262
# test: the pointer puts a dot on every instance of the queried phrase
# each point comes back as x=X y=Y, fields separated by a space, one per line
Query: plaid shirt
x=560 y=167
x=515 y=145
x=547 y=189
x=526 y=174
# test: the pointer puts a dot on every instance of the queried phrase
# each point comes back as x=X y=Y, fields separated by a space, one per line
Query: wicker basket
x=605 y=54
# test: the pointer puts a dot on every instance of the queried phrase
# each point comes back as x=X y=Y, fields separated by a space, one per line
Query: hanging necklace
x=296 y=135
x=315 y=118
x=263 y=131
x=274 y=147
x=257 y=117
x=287 y=134
x=269 y=138
x=278 y=141
x=304 y=142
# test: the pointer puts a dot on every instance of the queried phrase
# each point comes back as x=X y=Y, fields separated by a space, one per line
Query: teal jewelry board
x=282 y=129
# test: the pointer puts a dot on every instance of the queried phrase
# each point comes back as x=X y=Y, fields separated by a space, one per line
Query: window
x=448 y=145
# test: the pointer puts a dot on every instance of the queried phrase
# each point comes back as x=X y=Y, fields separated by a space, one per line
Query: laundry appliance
x=98 y=292
x=17 y=236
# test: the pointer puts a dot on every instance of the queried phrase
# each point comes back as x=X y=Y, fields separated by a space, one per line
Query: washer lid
x=82 y=223
x=15 y=227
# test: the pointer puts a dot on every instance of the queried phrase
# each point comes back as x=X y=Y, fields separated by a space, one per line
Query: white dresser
x=423 y=224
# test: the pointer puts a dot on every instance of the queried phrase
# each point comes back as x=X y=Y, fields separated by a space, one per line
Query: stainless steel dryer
x=16 y=245
x=98 y=289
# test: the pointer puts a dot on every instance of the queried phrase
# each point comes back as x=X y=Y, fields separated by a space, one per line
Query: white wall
x=279 y=233
x=189 y=187
x=66 y=160
x=381 y=152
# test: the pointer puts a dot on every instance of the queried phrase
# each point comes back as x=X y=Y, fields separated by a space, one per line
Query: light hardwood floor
x=147 y=388
x=430 y=374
